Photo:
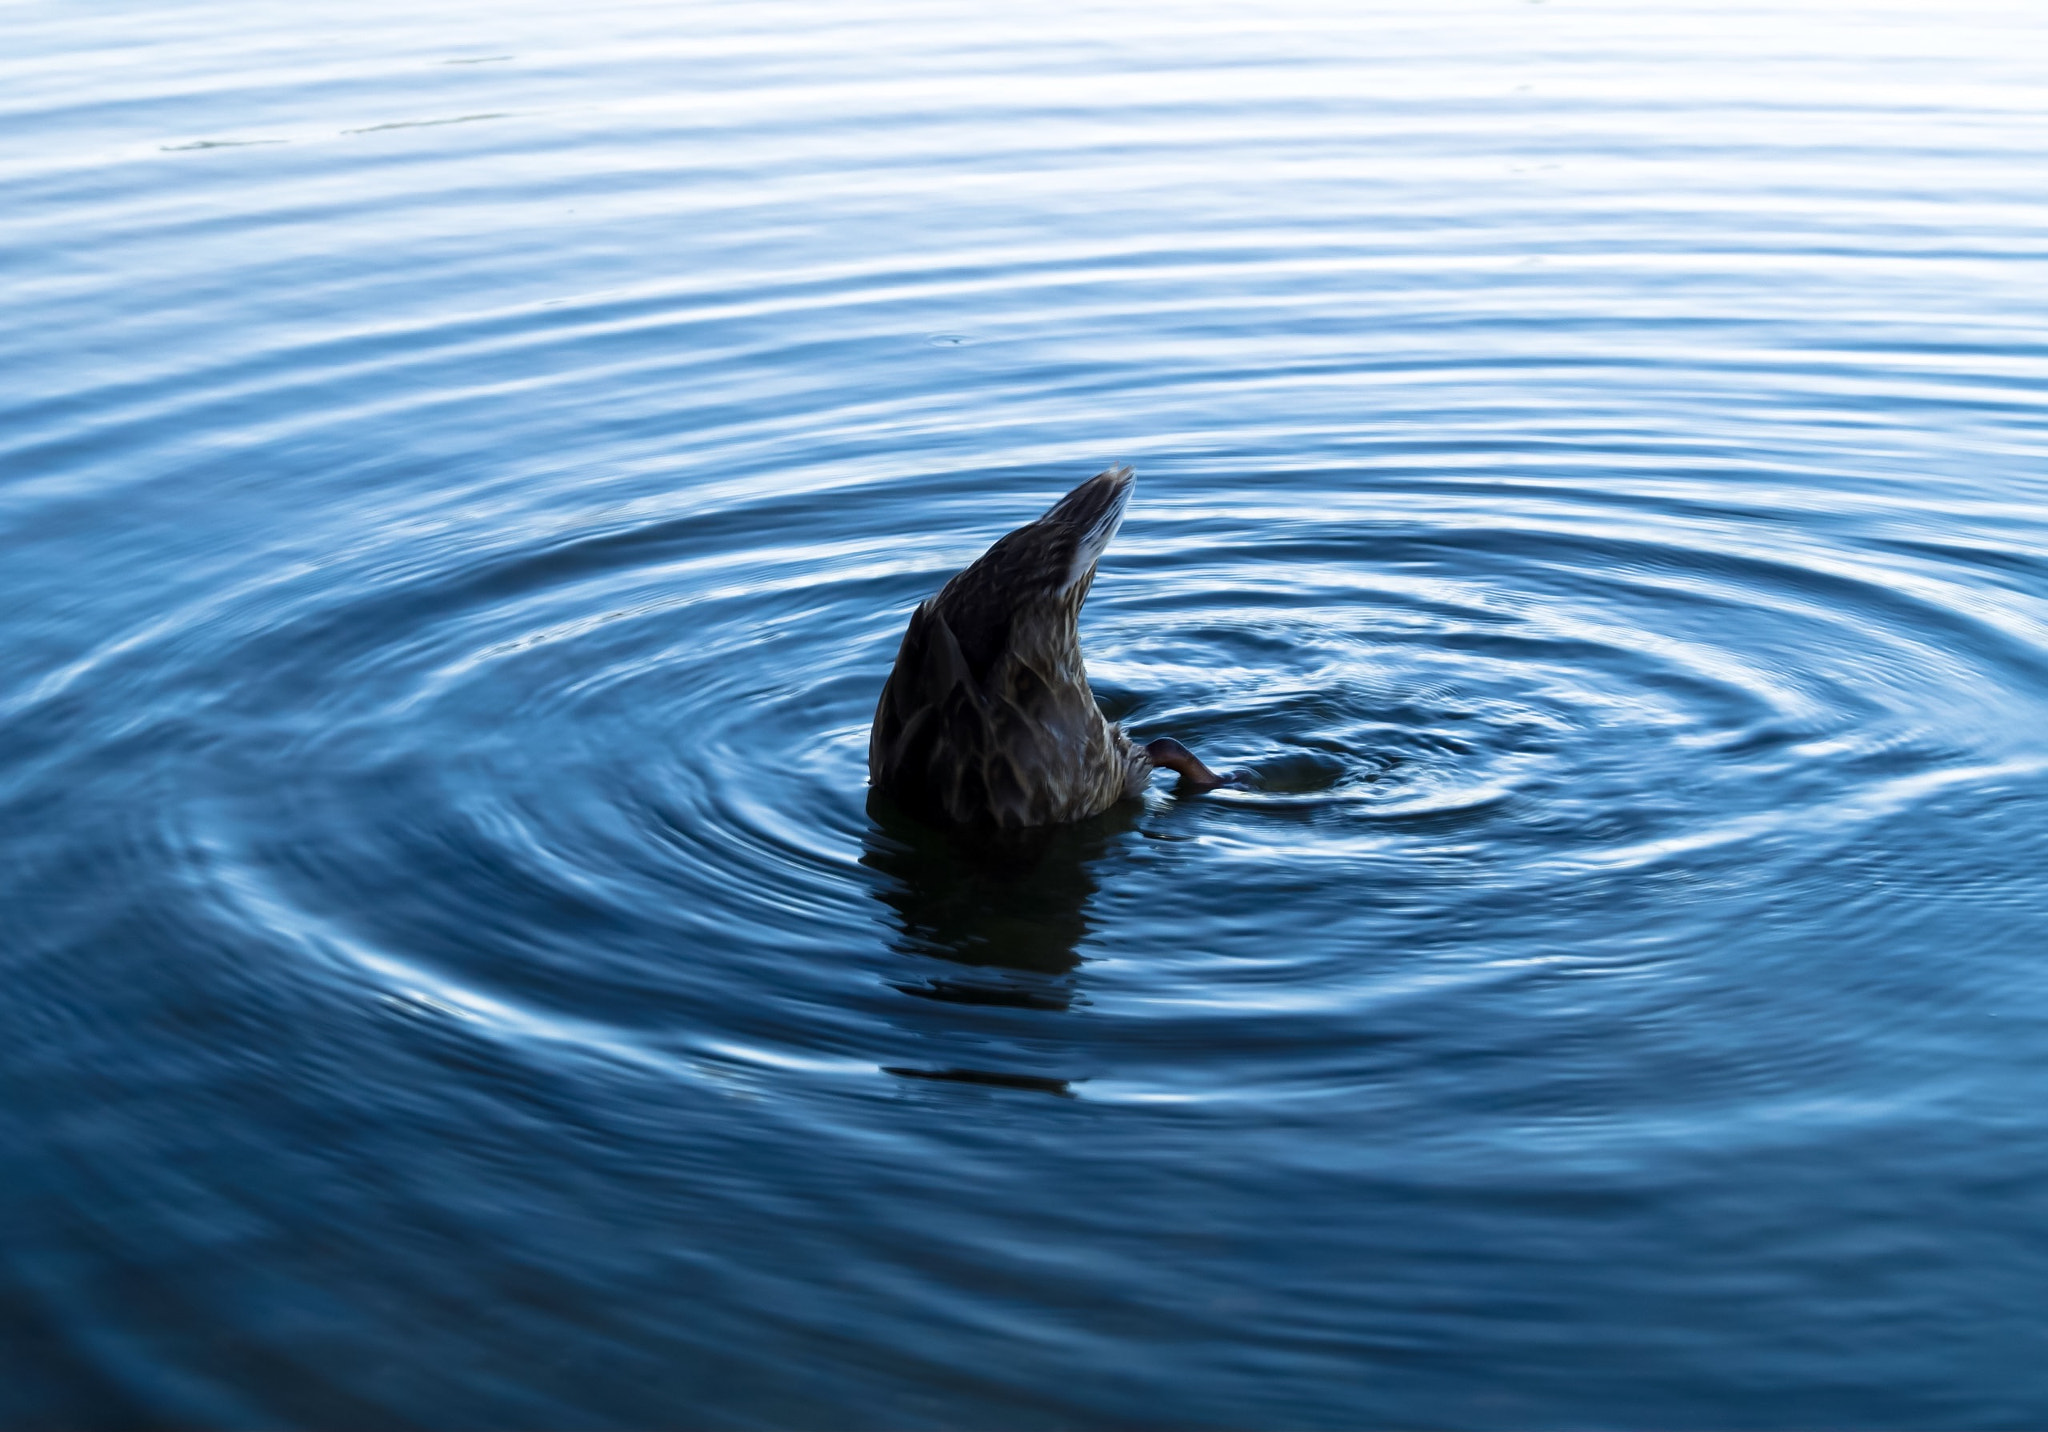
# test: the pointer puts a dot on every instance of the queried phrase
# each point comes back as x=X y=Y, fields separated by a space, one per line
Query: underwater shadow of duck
x=1010 y=906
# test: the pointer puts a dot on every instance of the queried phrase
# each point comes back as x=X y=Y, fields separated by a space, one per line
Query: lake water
x=463 y=475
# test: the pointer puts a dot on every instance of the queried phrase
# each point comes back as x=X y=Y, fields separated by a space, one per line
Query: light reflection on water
x=463 y=477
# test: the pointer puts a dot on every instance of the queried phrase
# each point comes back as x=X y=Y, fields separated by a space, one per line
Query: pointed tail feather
x=1093 y=512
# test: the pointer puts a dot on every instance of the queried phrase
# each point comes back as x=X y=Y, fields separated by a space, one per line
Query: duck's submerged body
x=987 y=719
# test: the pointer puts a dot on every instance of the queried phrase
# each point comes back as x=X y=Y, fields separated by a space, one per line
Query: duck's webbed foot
x=1175 y=757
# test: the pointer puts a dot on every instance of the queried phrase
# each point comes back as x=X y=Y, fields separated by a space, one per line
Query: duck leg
x=1175 y=757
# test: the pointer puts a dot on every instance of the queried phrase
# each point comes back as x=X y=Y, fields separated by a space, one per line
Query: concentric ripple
x=465 y=478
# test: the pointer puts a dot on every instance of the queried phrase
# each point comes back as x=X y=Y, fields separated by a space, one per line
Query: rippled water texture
x=465 y=476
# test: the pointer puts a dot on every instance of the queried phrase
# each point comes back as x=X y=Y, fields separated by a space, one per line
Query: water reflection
x=1011 y=909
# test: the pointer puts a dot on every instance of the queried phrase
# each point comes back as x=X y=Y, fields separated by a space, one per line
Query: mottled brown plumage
x=987 y=719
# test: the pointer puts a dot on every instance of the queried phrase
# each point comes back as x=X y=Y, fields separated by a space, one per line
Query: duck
x=987 y=720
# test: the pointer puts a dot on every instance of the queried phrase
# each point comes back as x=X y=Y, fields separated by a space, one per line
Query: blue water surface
x=464 y=470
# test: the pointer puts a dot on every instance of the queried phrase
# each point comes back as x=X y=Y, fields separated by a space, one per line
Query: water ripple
x=1591 y=477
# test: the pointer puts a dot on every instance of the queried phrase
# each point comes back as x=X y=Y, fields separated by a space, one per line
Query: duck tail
x=1092 y=512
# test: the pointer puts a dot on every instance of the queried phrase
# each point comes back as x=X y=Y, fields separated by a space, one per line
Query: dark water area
x=464 y=474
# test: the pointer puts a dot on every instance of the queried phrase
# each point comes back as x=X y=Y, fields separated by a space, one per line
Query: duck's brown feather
x=987 y=718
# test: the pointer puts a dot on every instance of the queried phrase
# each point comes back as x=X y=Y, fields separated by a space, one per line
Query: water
x=465 y=475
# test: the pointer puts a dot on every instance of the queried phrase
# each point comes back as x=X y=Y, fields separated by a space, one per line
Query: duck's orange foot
x=1175 y=757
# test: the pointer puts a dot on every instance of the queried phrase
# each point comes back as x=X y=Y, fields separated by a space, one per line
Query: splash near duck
x=986 y=719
